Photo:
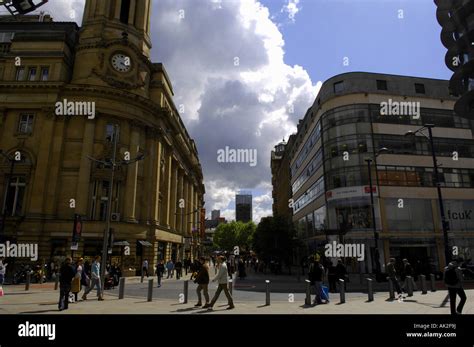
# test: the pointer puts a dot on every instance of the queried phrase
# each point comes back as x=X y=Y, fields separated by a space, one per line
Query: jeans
x=452 y=299
x=396 y=285
x=94 y=282
x=64 y=290
x=202 y=287
x=170 y=273
x=159 y=279
x=318 y=289
x=222 y=287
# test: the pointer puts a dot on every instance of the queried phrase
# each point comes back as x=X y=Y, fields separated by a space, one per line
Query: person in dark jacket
x=408 y=275
x=202 y=279
x=67 y=273
x=179 y=269
x=332 y=279
x=453 y=279
x=341 y=272
x=316 y=277
x=392 y=275
x=241 y=268
x=160 y=270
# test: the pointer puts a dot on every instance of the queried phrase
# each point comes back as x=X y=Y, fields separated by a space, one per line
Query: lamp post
x=113 y=163
x=444 y=222
x=7 y=184
x=378 y=268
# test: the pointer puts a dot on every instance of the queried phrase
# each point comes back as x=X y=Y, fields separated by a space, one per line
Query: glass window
x=25 y=126
x=338 y=87
x=460 y=214
x=409 y=214
x=309 y=224
x=45 y=73
x=14 y=197
x=32 y=74
x=20 y=73
x=110 y=133
x=419 y=88
x=381 y=85
x=320 y=219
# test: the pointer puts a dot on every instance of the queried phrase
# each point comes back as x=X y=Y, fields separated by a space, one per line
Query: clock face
x=121 y=62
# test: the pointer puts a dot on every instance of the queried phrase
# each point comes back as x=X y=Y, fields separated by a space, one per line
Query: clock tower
x=114 y=45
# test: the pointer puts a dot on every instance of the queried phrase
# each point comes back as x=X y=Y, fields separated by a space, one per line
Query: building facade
x=243 y=207
x=104 y=67
x=353 y=117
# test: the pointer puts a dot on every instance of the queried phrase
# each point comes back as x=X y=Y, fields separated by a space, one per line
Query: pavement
x=249 y=298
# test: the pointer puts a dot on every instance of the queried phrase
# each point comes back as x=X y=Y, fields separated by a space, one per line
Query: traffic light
x=456 y=18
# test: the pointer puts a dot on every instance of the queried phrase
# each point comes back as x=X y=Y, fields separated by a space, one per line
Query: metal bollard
x=342 y=291
x=230 y=286
x=391 y=291
x=150 y=289
x=409 y=281
x=121 y=287
x=370 y=289
x=307 y=300
x=28 y=280
x=433 y=284
x=186 y=287
x=267 y=297
x=56 y=282
x=424 y=290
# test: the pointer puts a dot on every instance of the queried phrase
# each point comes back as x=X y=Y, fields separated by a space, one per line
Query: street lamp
x=444 y=222
x=378 y=269
x=7 y=184
x=113 y=163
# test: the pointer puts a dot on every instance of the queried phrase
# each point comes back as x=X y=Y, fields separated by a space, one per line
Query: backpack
x=451 y=277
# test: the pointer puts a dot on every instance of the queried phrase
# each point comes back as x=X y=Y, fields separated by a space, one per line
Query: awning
x=121 y=243
x=145 y=243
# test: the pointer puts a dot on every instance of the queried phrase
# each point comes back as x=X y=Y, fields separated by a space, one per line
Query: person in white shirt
x=222 y=280
x=3 y=270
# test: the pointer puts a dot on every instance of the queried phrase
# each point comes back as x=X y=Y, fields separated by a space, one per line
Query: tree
x=232 y=234
x=273 y=239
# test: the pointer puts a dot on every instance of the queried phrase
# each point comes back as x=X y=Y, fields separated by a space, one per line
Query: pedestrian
x=160 y=270
x=453 y=278
x=170 y=268
x=3 y=270
x=65 y=279
x=408 y=274
x=316 y=276
x=76 y=282
x=179 y=269
x=95 y=280
x=222 y=280
x=241 y=268
x=145 y=268
x=341 y=272
x=202 y=280
x=187 y=265
x=392 y=275
x=332 y=277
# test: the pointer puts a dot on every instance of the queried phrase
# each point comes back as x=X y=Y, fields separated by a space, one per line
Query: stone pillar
x=169 y=165
x=131 y=17
x=174 y=195
x=155 y=159
x=132 y=174
x=179 y=219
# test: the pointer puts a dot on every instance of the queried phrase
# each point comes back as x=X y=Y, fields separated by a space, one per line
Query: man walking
x=316 y=274
x=145 y=268
x=170 y=268
x=95 y=280
x=202 y=279
x=453 y=279
x=179 y=269
x=160 y=270
x=3 y=270
x=65 y=279
x=221 y=279
x=392 y=275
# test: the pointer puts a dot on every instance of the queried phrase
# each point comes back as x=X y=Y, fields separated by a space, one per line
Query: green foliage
x=233 y=234
x=274 y=239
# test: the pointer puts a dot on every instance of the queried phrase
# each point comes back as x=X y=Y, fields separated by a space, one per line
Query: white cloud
x=292 y=9
x=64 y=11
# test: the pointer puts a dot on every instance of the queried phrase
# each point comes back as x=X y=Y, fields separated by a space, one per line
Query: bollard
x=423 y=285
x=390 y=289
x=121 y=287
x=150 y=289
x=307 y=300
x=230 y=286
x=342 y=291
x=28 y=279
x=370 y=289
x=267 y=297
x=409 y=282
x=433 y=285
x=56 y=282
x=186 y=286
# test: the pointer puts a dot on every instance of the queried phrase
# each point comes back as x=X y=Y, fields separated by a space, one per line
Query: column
x=179 y=218
x=174 y=195
x=131 y=17
x=118 y=6
x=155 y=157
x=132 y=174
x=169 y=163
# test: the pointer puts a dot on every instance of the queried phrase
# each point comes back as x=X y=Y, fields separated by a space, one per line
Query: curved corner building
x=356 y=114
x=457 y=19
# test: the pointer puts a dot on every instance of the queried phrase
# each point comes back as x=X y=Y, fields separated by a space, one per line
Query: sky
x=245 y=71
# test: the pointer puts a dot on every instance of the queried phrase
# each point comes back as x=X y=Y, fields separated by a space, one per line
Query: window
x=44 y=73
x=419 y=88
x=25 y=126
x=20 y=73
x=338 y=87
x=110 y=131
x=13 y=203
x=32 y=74
x=381 y=85
x=416 y=215
x=100 y=198
x=125 y=11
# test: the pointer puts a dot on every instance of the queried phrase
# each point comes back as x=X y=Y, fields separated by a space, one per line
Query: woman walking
x=76 y=281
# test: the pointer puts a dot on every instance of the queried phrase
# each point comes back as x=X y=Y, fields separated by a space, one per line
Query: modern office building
x=355 y=115
x=215 y=214
x=281 y=192
x=243 y=207
x=104 y=67
x=457 y=20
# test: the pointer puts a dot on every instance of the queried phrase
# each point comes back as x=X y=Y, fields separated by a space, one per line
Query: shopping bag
x=325 y=293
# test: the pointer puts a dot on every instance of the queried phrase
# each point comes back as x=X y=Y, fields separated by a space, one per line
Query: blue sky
x=368 y=32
